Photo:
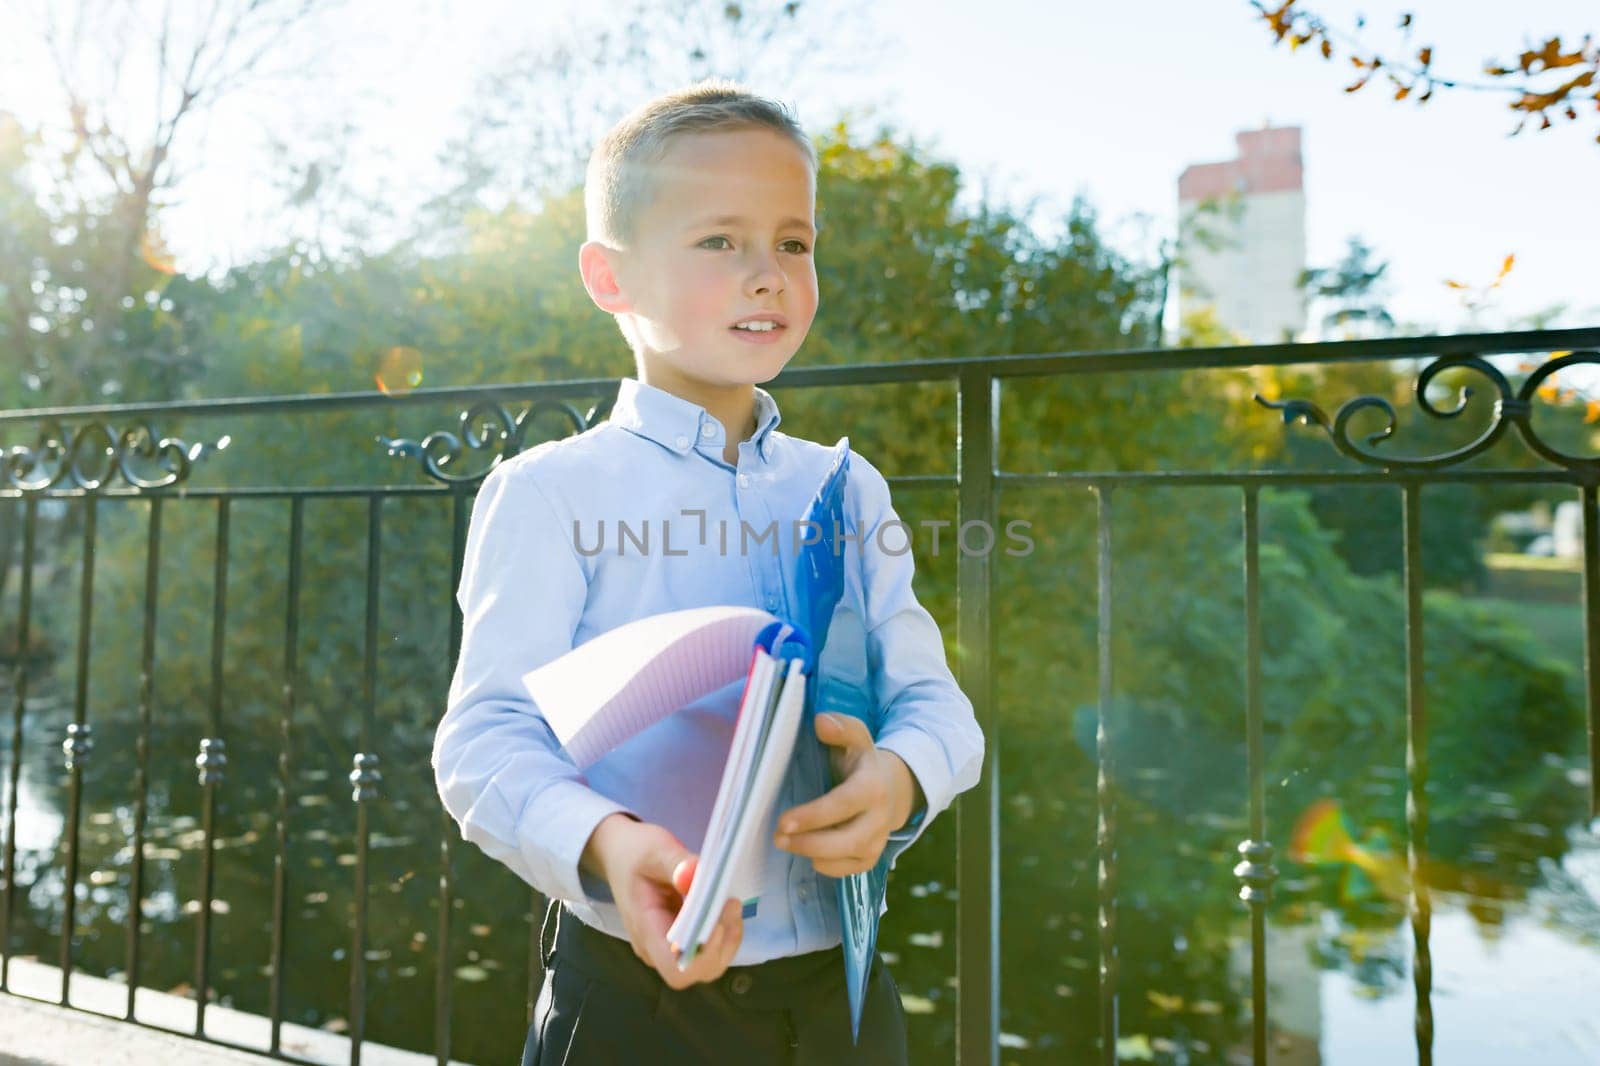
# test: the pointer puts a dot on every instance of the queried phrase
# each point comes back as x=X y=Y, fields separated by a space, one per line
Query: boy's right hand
x=649 y=871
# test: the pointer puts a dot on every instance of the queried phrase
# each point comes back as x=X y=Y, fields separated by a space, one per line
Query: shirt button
x=744 y=481
x=683 y=442
x=772 y=603
x=741 y=984
x=708 y=431
x=804 y=892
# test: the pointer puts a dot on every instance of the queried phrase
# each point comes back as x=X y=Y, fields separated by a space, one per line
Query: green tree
x=1350 y=293
x=102 y=268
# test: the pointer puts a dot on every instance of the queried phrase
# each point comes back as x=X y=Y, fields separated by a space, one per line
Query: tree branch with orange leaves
x=1552 y=78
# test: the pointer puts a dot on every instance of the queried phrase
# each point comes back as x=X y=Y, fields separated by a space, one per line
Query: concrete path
x=41 y=1034
x=34 y=1031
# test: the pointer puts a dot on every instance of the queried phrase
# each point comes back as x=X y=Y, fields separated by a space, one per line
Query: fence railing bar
x=78 y=744
x=141 y=773
x=444 y=972
x=1060 y=479
x=1417 y=777
x=19 y=682
x=1591 y=638
x=978 y=811
x=291 y=688
x=211 y=762
x=364 y=777
x=911 y=482
x=1105 y=798
x=1255 y=868
x=1120 y=360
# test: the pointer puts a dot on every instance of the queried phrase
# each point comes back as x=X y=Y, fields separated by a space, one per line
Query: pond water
x=1515 y=940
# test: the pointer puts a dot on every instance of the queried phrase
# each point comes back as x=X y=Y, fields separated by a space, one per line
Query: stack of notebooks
x=600 y=694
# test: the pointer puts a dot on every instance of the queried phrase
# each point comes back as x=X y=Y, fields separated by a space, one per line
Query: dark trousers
x=601 y=1005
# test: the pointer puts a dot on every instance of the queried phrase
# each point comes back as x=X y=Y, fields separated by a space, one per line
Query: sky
x=1036 y=102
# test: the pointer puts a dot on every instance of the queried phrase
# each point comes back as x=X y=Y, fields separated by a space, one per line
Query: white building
x=1242 y=238
x=1566 y=531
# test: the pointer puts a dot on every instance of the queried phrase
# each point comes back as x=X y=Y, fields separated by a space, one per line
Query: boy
x=701 y=234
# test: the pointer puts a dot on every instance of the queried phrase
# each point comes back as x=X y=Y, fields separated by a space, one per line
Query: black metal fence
x=82 y=461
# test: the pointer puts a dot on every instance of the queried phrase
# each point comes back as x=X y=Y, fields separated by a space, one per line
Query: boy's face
x=728 y=235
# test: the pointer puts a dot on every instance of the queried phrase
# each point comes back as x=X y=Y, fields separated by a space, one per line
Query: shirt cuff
x=926 y=759
x=564 y=838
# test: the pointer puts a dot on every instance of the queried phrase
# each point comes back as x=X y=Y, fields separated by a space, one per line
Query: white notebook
x=605 y=691
x=731 y=863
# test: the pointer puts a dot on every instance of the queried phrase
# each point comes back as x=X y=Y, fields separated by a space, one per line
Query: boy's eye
x=796 y=247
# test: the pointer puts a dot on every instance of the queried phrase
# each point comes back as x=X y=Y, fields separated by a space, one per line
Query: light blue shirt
x=547 y=567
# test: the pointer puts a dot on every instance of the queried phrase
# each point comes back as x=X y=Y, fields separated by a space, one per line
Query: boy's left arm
x=928 y=725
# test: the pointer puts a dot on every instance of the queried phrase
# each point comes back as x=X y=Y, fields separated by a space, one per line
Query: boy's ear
x=596 y=263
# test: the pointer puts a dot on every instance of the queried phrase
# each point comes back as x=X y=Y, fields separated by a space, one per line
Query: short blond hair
x=617 y=186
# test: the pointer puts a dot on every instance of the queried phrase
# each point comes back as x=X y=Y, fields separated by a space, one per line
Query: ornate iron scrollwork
x=93 y=455
x=1511 y=409
x=487 y=427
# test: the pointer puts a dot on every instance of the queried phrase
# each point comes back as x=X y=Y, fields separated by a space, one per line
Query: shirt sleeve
x=498 y=767
x=927 y=720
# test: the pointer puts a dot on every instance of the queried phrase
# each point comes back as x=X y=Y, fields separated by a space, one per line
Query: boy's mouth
x=761 y=321
x=760 y=328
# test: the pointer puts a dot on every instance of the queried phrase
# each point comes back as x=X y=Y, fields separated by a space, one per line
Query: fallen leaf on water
x=1135 y=1047
x=1165 y=1002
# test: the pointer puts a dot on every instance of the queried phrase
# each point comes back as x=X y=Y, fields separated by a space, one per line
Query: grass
x=1557 y=626
x=1512 y=561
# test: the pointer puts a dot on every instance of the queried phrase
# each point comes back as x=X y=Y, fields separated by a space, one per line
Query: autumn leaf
x=1327 y=49
x=153 y=250
x=1458 y=286
x=1592 y=413
x=1425 y=57
x=1279 y=21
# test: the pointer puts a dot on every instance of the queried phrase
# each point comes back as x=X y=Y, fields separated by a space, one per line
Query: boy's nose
x=767 y=278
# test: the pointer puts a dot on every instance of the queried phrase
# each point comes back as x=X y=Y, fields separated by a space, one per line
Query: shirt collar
x=678 y=424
